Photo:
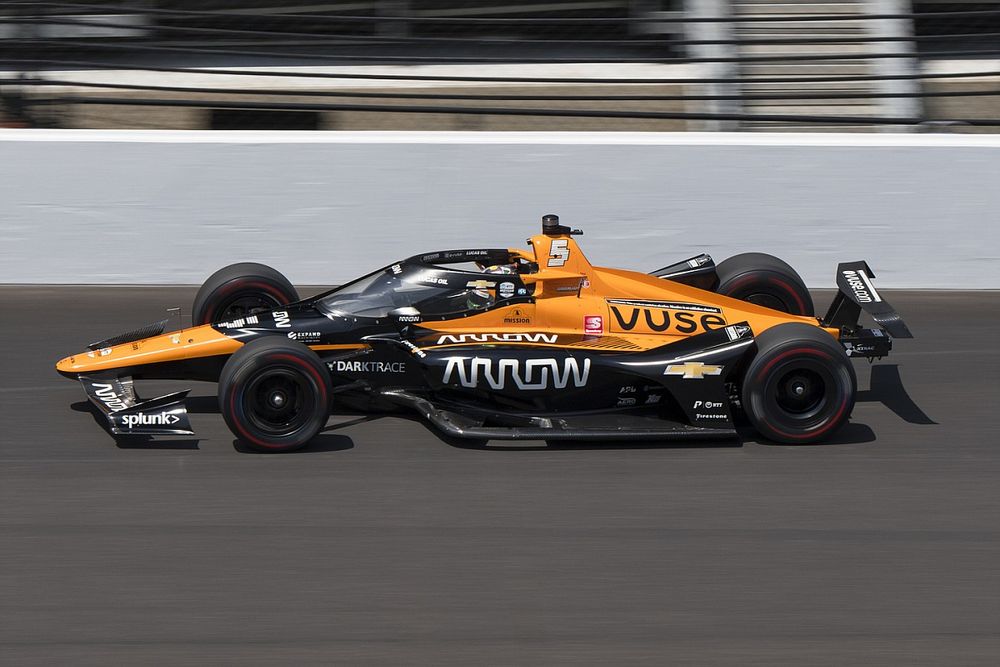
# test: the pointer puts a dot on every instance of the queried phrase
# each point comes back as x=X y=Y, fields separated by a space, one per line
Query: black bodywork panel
x=697 y=272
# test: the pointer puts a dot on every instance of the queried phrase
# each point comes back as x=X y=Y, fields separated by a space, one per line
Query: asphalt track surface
x=383 y=544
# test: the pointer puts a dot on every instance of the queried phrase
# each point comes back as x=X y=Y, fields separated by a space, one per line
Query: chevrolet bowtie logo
x=693 y=370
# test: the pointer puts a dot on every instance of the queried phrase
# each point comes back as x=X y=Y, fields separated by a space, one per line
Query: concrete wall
x=171 y=207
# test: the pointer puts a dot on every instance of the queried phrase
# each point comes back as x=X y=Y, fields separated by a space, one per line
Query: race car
x=508 y=343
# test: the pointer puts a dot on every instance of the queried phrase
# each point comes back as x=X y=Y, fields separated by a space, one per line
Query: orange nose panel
x=203 y=341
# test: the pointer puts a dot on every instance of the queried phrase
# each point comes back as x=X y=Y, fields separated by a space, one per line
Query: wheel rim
x=767 y=300
x=276 y=401
x=242 y=305
x=802 y=394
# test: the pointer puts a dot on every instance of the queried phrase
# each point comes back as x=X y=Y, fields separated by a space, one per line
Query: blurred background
x=647 y=65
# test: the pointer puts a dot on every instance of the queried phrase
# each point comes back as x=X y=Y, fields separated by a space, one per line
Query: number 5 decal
x=558 y=252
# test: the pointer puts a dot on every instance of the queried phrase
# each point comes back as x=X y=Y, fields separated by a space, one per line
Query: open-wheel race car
x=508 y=344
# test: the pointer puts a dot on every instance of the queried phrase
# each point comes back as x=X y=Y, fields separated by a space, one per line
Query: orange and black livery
x=509 y=343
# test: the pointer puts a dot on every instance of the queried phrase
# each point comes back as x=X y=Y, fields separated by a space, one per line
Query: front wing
x=127 y=414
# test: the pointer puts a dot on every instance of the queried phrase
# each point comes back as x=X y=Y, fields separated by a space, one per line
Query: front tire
x=766 y=281
x=275 y=394
x=800 y=387
x=239 y=290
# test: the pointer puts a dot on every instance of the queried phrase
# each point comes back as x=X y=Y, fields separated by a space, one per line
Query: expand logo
x=457 y=339
x=142 y=419
x=305 y=336
x=528 y=375
x=638 y=316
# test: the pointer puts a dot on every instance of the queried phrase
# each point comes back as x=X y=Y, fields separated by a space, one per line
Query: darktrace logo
x=368 y=366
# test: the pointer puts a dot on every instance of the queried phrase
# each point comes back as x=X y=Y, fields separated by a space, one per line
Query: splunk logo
x=142 y=419
x=526 y=375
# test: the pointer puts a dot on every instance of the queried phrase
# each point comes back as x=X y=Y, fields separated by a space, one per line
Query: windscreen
x=379 y=293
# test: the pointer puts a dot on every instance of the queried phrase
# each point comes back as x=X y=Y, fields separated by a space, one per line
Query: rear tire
x=275 y=394
x=239 y=290
x=766 y=281
x=800 y=387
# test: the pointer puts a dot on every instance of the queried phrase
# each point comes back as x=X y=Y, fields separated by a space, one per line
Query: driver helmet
x=477 y=299
x=500 y=268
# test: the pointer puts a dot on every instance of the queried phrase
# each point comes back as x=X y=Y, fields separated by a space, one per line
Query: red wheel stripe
x=776 y=281
x=786 y=353
x=830 y=422
x=320 y=384
x=788 y=288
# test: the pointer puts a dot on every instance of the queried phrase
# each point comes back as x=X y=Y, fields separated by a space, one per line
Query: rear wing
x=857 y=293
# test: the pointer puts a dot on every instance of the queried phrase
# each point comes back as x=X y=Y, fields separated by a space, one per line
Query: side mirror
x=405 y=315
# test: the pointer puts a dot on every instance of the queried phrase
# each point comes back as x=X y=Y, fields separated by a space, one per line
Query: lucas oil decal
x=662 y=317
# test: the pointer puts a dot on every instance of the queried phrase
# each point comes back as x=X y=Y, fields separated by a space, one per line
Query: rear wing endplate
x=856 y=293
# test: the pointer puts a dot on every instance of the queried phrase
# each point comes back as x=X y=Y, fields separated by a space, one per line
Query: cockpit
x=435 y=291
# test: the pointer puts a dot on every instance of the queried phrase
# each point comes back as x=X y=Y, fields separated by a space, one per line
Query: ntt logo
x=142 y=419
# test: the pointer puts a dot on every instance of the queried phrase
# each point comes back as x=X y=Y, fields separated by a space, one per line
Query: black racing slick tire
x=239 y=290
x=800 y=386
x=274 y=394
x=766 y=281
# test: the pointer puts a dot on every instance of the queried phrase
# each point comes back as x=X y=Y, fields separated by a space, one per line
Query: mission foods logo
x=657 y=317
x=516 y=316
